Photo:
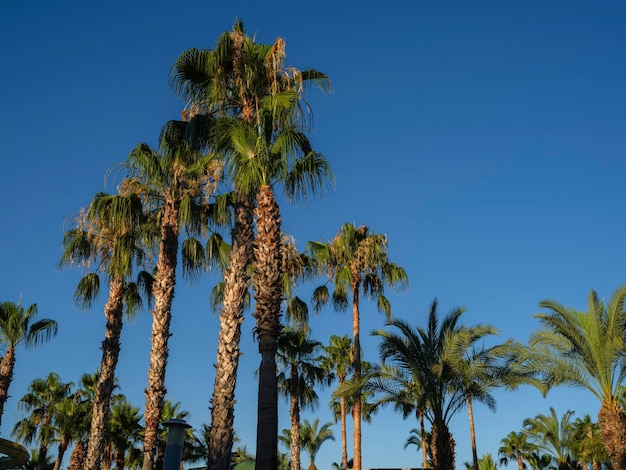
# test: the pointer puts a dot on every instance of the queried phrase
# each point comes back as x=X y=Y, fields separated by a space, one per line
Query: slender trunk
x=423 y=434
x=470 y=412
x=268 y=296
x=236 y=281
x=163 y=290
x=43 y=444
x=356 y=365
x=120 y=460
x=107 y=457
x=113 y=312
x=612 y=423
x=7 y=365
x=294 y=413
x=62 y=448
x=520 y=461
x=344 y=433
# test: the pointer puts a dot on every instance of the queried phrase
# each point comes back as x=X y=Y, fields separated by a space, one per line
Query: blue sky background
x=486 y=139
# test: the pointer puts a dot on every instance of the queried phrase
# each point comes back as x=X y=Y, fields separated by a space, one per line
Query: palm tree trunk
x=268 y=296
x=520 y=461
x=113 y=312
x=62 y=448
x=344 y=434
x=163 y=290
x=356 y=351
x=423 y=434
x=294 y=413
x=612 y=423
x=236 y=281
x=77 y=458
x=6 y=376
x=470 y=413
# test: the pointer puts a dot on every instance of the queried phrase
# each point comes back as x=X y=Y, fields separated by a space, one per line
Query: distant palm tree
x=17 y=327
x=515 y=446
x=419 y=439
x=124 y=430
x=588 y=443
x=40 y=402
x=338 y=363
x=357 y=262
x=35 y=464
x=299 y=371
x=313 y=437
x=587 y=349
x=170 y=410
x=69 y=422
x=553 y=436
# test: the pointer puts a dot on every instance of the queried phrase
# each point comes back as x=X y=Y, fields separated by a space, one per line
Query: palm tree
x=419 y=356
x=356 y=260
x=124 y=429
x=108 y=236
x=419 y=438
x=338 y=362
x=17 y=327
x=173 y=183
x=313 y=438
x=587 y=349
x=40 y=402
x=69 y=423
x=588 y=443
x=170 y=410
x=247 y=82
x=517 y=447
x=553 y=436
x=486 y=462
x=299 y=371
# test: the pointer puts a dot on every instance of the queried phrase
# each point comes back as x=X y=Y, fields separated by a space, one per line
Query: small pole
x=175 y=443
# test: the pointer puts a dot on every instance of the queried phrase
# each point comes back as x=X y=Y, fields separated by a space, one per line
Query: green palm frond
x=87 y=291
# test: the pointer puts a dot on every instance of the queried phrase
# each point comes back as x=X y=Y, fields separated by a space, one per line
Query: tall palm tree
x=299 y=371
x=338 y=362
x=173 y=182
x=515 y=446
x=587 y=349
x=313 y=437
x=357 y=262
x=553 y=436
x=17 y=326
x=39 y=402
x=246 y=81
x=107 y=238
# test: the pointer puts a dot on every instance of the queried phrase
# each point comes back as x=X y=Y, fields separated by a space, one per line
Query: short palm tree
x=124 y=431
x=418 y=356
x=553 y=436
x=69 y=422
x=419 y=439
x=588 y=442
x=313 y=437
x=515 y=446
x=39 y=403
x=107 y=238
x=337 y=361
x=356 y=262
x=588 y=350
x=17 y=327
x=299 y=371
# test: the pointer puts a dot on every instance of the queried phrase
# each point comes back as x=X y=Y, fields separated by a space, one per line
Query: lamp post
x=175 y=443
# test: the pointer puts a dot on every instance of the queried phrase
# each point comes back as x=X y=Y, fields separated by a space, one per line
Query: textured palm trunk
x=423 y=434
x=442 y=447
x=520 y=462
x=163 y=291
x=344 y=433
x=113 y=313
x=612 y=422
x=356 y=352
x=7 y=365
x=107 y=457
x=77 y=459
x=294 y=413
x=236 y=280
x=268 y=295
x=470 y=412
x=62 y=448
x=43 y=444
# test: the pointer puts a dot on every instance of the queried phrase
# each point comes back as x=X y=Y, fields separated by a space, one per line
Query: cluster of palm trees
x=243 y=139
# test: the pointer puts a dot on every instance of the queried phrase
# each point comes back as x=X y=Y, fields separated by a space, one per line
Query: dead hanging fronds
x=191 y=110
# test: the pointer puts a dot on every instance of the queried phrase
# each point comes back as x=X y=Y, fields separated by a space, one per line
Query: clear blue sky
x=486 y=139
